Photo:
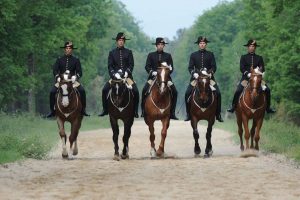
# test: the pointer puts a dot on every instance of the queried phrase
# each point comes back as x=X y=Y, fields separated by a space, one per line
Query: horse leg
x=257 y=133
x=247 y=134
x=208 y=149
x=252 y=132
x=152 y=138
x=115 y=129
x=126 y=136
x=240 y=130
x=194 y=124
x=63 y=137
x=75 y=126
x=165 y=125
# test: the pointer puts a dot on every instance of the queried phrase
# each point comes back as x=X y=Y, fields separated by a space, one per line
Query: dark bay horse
x=68 y=108
x=252 y=105
x=157 y=107
x=203 y=105
x=121 y=106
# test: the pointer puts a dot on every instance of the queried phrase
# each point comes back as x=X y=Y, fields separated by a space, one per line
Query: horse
x=121 y=106
x=68 y=108
x=203 y=106
x=157 y=107
x=252 y=105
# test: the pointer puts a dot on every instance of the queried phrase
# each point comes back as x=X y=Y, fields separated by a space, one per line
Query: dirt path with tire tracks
x=94 y=175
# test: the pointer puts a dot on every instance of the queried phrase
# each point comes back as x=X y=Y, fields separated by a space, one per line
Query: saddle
x=244 y=83
x=76 y=84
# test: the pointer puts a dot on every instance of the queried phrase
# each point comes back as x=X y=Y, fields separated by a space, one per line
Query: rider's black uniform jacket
x=202 y=59
x=153 y=60
x=248 y=60
x=70 y=63
x=120 y=58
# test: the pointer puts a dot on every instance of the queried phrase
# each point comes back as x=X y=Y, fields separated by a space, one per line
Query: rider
x=120 y=61
x=153 y=61
x=199 y=61
x=62 y=64
x=247 y=61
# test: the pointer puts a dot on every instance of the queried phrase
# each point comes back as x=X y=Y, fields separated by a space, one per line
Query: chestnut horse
x=157 y=107
x=121 y=106
x=68 y=108
x=203 y=105
x=252 y=105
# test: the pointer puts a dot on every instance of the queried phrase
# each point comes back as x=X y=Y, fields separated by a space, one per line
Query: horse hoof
x=116 y=157
x=208 y=152
x=153 y=153
x=65 y=156
x=126 y=156
x=75 y=152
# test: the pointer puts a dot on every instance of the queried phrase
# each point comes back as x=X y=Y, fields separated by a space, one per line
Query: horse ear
x=251 y=69
x=209 y=71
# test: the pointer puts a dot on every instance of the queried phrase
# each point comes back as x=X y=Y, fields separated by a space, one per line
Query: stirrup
x=231 y=110
x=103 y=113
x=51 y=114
x=270 y=110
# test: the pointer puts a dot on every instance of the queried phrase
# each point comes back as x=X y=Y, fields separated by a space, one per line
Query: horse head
x=255 y=82
x=66 y=88
x=163 y=76
x=118 y=88
x=203 y=85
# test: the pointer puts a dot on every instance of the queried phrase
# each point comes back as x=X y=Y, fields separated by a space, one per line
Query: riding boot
x=234 y=102
x=188 y=115
x=143 y=105
x=187 y=95
x=173 y=103
x=104 y=104
x=144 y=95
x=268 y=96
x=52 y=103
x=136 y=99
x=83 y=102
x=218 y=112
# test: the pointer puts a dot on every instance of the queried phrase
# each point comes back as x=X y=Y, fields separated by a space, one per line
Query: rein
x=119 y=108
x=57 y=101
x=162 y=110
x=203 y=109
x=251 y=109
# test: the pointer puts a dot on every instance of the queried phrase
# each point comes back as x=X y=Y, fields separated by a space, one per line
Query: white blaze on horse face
x=117 y=86
x=65 y=99
x=162 y=75
x=204 y=80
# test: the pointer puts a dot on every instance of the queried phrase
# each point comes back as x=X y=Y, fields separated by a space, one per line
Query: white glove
x=204 y=69
x=120 y=70
x=170 y=67
x=66 y=76
x=195 y=75
x=249 y=74
x=126 y=75
x=204 y=72
x=58 y=79
x=73 y=78
x=117 y=75
x=154 y=73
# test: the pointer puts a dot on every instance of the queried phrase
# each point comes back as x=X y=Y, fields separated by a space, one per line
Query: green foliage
x=274 y=24
x=28 y=136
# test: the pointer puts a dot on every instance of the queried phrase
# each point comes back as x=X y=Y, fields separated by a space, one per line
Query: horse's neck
x=246 y=98
x=73 y=100
x=124 y=96
x=157 y=97
x=199 y=101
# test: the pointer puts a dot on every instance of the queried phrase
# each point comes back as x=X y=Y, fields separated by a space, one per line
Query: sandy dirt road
x=94 y=175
